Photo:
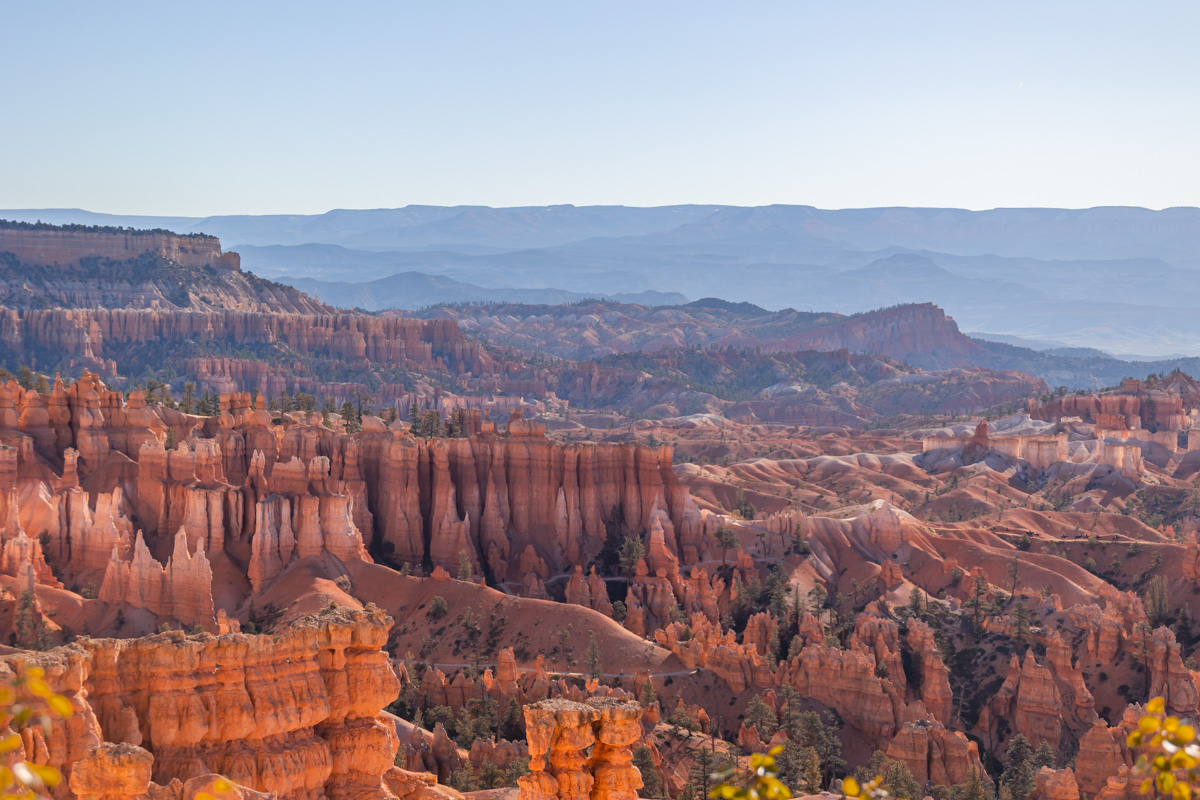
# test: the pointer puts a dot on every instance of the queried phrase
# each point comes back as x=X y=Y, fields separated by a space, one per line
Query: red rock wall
x=52 y=247
x=296 y=714
x=350 y=337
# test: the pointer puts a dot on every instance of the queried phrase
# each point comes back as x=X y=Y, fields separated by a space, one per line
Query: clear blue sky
x=258 y=107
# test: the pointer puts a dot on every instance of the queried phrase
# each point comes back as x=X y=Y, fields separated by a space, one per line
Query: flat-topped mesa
x=70 y=245
x=581 y=750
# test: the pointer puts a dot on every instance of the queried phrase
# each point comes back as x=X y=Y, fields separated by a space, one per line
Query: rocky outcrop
x=1056 y=784
x=96 y=334
x=844 y=680
x=295 y=714
x=50 y=246
x=581 y=750
x=181 y=590
x=1030 y=698
x=935 y=754
x=1169 y=678
x=935 y=676
x=512 y=504
x=920 y=334
x=739 y=664
x=232 y=484
x=1102 y=753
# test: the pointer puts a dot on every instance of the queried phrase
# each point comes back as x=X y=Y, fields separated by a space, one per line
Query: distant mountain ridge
x=1049 y=233
x=918 y=334
x=1117 y=279
x=417 y=290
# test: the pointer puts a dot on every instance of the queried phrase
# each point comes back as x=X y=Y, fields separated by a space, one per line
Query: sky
x=211 y=108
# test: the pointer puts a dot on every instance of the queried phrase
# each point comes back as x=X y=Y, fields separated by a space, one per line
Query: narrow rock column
x=611 y=763
x=560 y=733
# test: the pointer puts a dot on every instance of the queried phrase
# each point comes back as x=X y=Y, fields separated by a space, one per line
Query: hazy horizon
x=322 y=212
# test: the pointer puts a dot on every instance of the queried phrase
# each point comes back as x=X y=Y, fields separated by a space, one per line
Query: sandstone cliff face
x=524 y=503
x=1030 y=698
x=66 y=247
x=1056 y=784
x=1169 y=678
x=147 y=532
x=182 y=590
x=295 y=715
x=149 y=270
x=91 y=334
x=1102 y=754
x=935 y=754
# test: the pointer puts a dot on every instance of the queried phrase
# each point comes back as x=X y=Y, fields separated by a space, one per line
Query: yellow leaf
x=49 y=775
x=10 y=743
x=222 y=785
x=1182 y=760
x=1156 y=706
x=60 y=705
x=39 y=688
x=1149 y=724
x=850 y=787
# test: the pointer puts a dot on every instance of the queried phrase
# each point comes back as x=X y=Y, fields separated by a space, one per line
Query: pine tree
x=973 y=789
x=897 y=778
x=1018 y=776
x=652 y=783
x=914 y=603
x=977 y=602
x=701 y=771
x=1014 y=577
x=489 y=776
x=760 y=717
x=727 y=539
x=1158 y=605
x=1021 y=617
x=595 y=667
x=1044 y=756
x=648 y=696
x=512 y=724
x=632 y=551
x=350 y=417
